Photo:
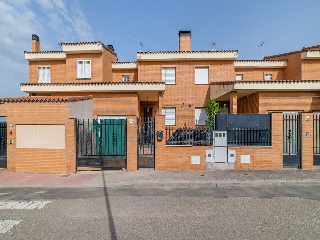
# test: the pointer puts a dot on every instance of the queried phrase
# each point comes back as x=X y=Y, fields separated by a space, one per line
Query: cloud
x=53 y=20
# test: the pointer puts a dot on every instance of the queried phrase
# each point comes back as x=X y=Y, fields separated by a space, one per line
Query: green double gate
x=101 y=143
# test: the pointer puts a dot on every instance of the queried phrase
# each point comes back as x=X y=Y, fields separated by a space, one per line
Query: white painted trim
x=131 y=65
x=310 y=55
x=260 y=64
x=82 y=48
x=94 y=88
x=30 y=56
x=168 y=56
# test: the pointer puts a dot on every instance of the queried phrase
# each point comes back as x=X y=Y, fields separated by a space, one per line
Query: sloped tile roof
x=45 y=99
x=264 y=82
x=170 y=52
x=92 y=83
x=304 y=49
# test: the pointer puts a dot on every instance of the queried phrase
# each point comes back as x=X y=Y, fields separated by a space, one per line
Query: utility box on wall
x=209 y=156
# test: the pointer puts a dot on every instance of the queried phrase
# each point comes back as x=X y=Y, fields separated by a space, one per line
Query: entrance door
x=113 y=142
x=291 y=139
x=146 y=143
x=3 y=145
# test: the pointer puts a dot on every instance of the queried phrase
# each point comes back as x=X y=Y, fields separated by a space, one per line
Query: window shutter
x=87 y=69
x=40 y=74
x=79 y=69
x=201 y=75
x=170 y=116
x=169 y=75
x=47 y=75
x=200 y=116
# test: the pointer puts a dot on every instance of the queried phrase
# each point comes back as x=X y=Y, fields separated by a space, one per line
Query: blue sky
x=284 y=26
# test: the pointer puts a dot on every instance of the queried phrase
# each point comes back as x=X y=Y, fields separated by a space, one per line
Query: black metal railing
x=3 y=139
x=249 y=137
x=188 y=136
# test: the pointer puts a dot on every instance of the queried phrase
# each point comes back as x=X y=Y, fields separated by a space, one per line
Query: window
x=239 y=77
x=169 y=75
x=200 y=116
x=201 y=75
x=125 y=78
x=170 y=116
x=267 y=76
x=83 y=69
x=44 y=74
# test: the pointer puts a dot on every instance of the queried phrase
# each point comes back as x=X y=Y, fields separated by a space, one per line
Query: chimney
x=35 y=43
x=110 y=47
x=185 y=41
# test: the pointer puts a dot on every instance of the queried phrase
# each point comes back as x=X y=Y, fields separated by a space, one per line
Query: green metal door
x=113 y=142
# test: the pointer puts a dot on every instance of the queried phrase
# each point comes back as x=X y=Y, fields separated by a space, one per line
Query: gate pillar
x=307 y=140
x=132 y=144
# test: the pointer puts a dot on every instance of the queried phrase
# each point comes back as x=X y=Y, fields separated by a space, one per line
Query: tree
x=212 y=108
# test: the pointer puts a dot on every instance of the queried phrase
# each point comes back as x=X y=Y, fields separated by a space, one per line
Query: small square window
x=44 y=74
x=239 y=77
x=170 y=116
x=83 y=69
x=201 y=75
x=200 y=116
x=169 y=75
x=267 y=76
x=125 y=78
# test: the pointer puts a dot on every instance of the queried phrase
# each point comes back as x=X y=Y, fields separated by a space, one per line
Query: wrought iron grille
x=316 y=131
x=189 y=136
x=291 y=133
x=3 y=139
x=249 y=137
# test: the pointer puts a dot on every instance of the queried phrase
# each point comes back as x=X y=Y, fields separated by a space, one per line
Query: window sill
x=83 y=78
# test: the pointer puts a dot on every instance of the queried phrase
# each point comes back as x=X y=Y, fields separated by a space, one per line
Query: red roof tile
x=45 y=99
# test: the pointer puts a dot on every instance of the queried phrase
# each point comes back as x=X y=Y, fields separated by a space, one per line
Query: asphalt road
x=230 y=211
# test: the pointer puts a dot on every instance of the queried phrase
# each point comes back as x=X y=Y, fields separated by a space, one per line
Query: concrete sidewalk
x=151 y=178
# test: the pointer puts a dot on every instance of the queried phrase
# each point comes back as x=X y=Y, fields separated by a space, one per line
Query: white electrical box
x=220 y=154
x=231 y=155
x=220 y=138
x=209 y=156
x=195 y=160
x=245 y=158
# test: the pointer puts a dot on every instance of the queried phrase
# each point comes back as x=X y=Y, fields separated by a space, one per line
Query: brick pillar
x=233 y=103
x=275 y=158
x=307 y=140
x=159 y=146
x=71 y=146
x=132 y=144
x=35 y=46
x=184 y=40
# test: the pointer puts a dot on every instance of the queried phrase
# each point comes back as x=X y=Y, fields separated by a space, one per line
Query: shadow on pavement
x=109 y=211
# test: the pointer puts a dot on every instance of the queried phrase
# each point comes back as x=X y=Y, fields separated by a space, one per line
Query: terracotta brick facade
x=185 y=96
x=39 y=159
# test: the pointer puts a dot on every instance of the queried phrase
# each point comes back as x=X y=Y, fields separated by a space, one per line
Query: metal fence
x=3 y=139
x=249 y=137
x=316 y=129
x=188 y=136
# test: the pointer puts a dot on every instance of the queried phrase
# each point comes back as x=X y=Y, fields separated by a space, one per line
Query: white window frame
x=44 y=74
x=125 y=78
x=82 y=72
x=200 y=117
x=239 y=77
x=170 y=116
x=167 y=76
x=201 y=75
x=268 y=76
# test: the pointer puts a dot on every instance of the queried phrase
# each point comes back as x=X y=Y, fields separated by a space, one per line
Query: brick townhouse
x=173 y=87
